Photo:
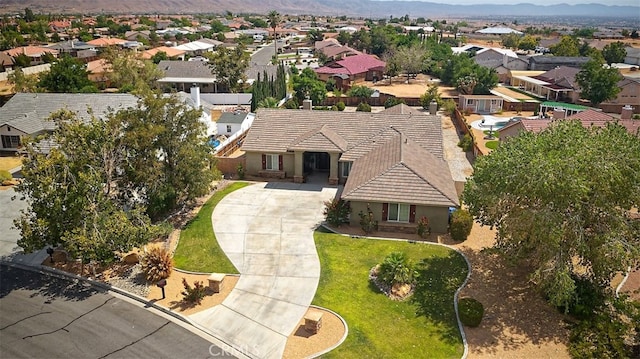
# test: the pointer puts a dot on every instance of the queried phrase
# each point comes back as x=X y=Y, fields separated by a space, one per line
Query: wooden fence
x=463 y=129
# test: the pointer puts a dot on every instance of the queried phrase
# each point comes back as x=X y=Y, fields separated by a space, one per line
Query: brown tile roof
x=276 y=130
x=400 y=170
x=401 y=109
x=322 y=139
x=170 y=51
x=31 y=51
x=588 y=118
x=106 y=41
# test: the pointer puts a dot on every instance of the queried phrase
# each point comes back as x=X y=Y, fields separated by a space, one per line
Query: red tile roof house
x=391 y=163
x=358 y=68
x=587 y=118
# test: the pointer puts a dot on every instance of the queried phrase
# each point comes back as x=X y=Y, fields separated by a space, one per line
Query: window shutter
x=385 y=211
x=412 y=213
x=280 y=163
x=264 y=161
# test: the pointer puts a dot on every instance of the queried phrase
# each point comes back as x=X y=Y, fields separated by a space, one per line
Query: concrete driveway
x=267 y=232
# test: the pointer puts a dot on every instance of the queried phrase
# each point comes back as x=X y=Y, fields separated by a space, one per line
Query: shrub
x=193 y=294
x=423 y=229
x=157 y=264
x=461 y=224
x=330 y=84
x=336 y=211
x=363 y=107
x=5 y=175
x=396 y=268
x=240 y=171
x=367 y=222
x=392 y=101
x=449 y=106
x=341 y=106
x=291 y=104
x=466 y=143
x=470 y=311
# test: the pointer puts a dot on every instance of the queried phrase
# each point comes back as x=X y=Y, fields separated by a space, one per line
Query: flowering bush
x=423 y=229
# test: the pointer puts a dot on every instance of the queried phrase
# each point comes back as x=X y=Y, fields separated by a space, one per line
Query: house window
x=346 y=168
x=272 y=163
x=10 y=141
x=228 y=128
x=494 y=102
x=398 y=212
x=469 y=101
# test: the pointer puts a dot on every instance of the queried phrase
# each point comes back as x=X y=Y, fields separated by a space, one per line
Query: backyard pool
x=491 y=123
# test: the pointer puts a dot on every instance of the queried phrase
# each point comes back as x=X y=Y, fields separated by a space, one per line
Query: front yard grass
x=423 y=326
x=9 y=163
x=198 y=249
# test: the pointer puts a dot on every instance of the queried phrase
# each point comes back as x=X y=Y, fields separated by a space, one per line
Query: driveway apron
x=266 y=230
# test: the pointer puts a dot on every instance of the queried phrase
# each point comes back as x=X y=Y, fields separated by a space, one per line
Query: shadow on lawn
x=439 y=279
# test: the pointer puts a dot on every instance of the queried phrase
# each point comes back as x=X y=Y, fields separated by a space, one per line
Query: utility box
x=216 y=282
x=313 y=321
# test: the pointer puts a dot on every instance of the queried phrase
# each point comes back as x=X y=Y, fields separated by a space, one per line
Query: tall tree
x=229 y=66
x=614 y=52
x=129 y=73
x=67 y=75
x=411 y=59
x=274 y=21
x=307 y=84
x=597 y=83
x=71 y=196
x=573 y=219
x=23 y=83
x=568 y=46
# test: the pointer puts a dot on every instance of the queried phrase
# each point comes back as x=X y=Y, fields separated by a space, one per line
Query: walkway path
x=266 y=230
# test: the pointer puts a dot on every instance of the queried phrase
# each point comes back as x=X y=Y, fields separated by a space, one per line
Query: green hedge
x=470 y=311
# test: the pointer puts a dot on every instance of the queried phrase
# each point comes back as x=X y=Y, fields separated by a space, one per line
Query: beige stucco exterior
x=438 y=216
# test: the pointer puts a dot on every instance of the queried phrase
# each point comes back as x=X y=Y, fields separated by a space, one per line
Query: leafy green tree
x=307 y=84
x=71 y=193
x=22 y=82
x=411 y=59
x=343 y=37
x=229 y=66
x=574 y=218
x=568 y=46
x=159 y=56
x=597 y=83
x=614 y=52
x=314 y=35
x=360 y=91
x=528 y=42
x=431 y=94
x=130 y=73
x=22 y=60
x=67 y=75
x=510 y=40
x=170 y=162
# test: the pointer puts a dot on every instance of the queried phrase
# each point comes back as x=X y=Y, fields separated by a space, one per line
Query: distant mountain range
x=365 y=8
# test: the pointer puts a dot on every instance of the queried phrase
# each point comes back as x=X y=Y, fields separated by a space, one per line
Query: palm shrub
x=193 y=294
x=461 y=224
x=337 y=211
x=396 y=268
x=157 y=264
x=471 y=311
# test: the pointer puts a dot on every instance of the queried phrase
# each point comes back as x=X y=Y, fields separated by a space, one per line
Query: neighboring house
x=59 y=26
x=6 y=62
x=78 y=49
x=182 y=75
x=633 y=56
x=499 y=31
x=546 y=63
x=358 y=68
x=172 y=53
x=34 y=53
x=199 y=47
x=501 y=60
x=480 y=103
x=106 y=42
x=137 y=35
x=557 y=84
x=230 y=123
x=588 y=118
x=97 y=72
x=629 y=92
x=25 y=114
x=391 y=164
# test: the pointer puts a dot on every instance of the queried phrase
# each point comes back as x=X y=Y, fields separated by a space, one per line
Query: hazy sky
x=539 y=2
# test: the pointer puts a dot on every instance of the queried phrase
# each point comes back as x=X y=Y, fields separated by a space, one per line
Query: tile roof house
x=34 y=53
x=545 y=63
x=25 y=114
x=391 y=163
x=557 y=84
x=182 y=75
x=588 y=118
x=361 y=67
x=106 y=41
x=172 y=52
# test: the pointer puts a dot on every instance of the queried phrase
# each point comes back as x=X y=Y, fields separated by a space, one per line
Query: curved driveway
x=266 y=230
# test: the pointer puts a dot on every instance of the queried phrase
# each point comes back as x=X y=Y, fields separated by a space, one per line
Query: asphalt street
x=48 y=317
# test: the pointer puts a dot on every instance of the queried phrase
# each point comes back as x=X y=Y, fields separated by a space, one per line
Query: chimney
x=505 y=60
x=627 y=112
x=433 y=107
x=307 y=104
x=195 y=94
x=558 y=114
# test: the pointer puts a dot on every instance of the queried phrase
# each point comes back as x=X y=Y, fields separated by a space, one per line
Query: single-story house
x=25 y=114
x=480 y=103
x=390 y=163
x=557 y=84
x=546 y=63
x=34 y=53
x=171 y=52
x=362 y=67
x=230 y=122
x=633 y=56
x=199 y=47
x=182 y=75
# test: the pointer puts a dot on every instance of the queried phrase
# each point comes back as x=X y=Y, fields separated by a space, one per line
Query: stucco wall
x=438 y=216
x=254 y=163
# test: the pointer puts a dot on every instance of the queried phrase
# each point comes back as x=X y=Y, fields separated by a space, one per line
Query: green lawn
x=198 y=249
x=421 y=327
x=492 y=145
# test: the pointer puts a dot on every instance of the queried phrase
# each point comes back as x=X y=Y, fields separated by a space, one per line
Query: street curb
x=457 y=293
x=65 y=275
